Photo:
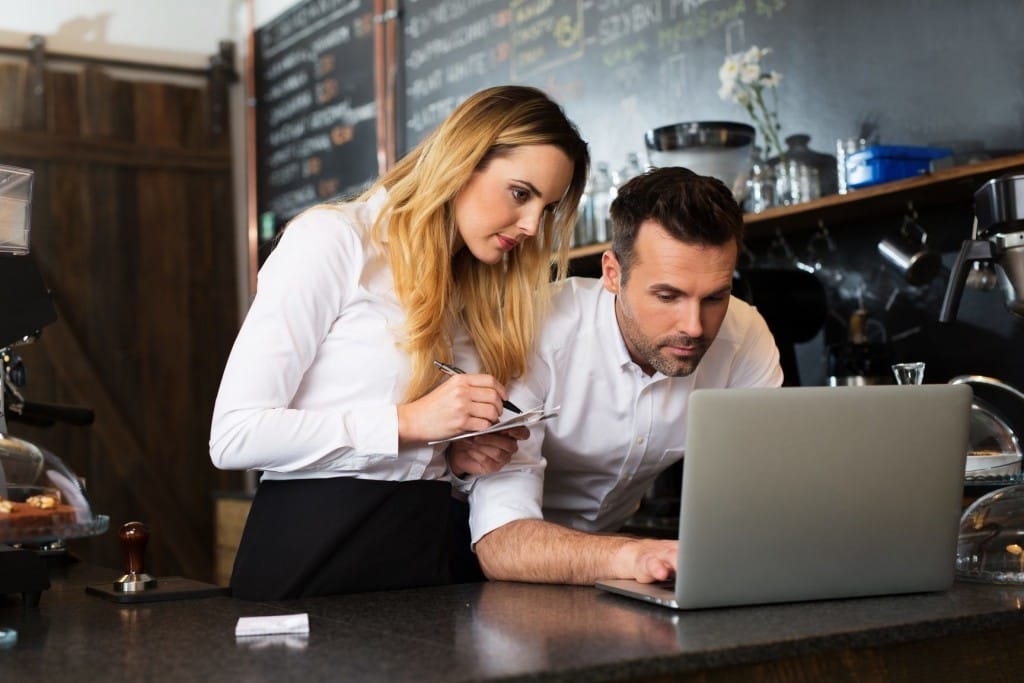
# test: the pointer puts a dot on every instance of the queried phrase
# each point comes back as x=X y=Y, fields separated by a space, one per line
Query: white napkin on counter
x=281 y=623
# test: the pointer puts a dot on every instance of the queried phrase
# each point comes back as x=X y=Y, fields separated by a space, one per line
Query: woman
x=330 y=389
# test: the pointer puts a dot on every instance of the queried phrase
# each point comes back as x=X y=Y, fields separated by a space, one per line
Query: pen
x=452 y=370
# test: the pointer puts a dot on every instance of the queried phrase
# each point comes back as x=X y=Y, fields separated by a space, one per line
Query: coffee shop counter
x=511 y=632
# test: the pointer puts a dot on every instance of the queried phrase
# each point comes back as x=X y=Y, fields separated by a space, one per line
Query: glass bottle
x=760 y=184
x=582 y=234
x=631 y=170
x=601 y=194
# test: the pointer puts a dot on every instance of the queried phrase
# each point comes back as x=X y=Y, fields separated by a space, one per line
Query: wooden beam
x=158 y=506
x=30 y=145
x=132 y=65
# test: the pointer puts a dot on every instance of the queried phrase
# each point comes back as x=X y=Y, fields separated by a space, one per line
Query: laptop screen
x=801 y=493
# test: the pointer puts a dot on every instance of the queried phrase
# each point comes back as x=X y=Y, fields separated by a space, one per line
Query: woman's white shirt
x=312 y=384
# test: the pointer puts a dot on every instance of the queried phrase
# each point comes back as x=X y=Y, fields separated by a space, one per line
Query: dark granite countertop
x=469 y=632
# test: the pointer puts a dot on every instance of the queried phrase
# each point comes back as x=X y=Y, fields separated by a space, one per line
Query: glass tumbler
x=908 y=373
x=844 y=148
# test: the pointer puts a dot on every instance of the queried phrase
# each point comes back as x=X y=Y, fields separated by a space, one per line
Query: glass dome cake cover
x=41 y=500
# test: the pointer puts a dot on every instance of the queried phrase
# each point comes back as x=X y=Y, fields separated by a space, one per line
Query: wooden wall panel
x=12 y=89
x=133 y=230
x=62 y=109
x=163 y=323
x=106 y=106
x=211 y=289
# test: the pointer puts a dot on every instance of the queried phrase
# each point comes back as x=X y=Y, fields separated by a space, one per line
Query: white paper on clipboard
x=525 y=419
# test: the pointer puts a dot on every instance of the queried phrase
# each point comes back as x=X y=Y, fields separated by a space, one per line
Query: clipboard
x=524 y=419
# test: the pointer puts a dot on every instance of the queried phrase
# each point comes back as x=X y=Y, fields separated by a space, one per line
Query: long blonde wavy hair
x=499 y=303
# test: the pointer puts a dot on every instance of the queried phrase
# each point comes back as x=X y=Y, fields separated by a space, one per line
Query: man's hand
x=485 y=453
x=646 y=560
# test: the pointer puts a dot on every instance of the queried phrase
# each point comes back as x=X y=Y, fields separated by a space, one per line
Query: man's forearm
x=541 y=552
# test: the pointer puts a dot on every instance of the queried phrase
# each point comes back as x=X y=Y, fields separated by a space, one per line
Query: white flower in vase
x=744 y=81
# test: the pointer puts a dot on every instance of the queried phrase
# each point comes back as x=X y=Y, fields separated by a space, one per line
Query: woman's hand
x=485 y=453
x=462 y=403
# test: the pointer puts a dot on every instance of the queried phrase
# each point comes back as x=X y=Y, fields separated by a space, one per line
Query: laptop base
x=660 y=593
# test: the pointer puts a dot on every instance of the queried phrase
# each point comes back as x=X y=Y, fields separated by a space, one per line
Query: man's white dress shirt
x=617 y=427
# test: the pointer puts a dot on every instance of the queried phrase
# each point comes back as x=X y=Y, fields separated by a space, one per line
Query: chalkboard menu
x=621 y=67
x=316 y=114
x=618 y=67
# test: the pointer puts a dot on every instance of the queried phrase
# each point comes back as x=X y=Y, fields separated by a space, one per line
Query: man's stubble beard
x=649 y=350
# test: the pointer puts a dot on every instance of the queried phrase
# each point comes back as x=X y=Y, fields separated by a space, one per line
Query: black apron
x=308 y=537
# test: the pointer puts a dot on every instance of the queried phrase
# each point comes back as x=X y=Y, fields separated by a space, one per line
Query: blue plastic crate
x=882 y=163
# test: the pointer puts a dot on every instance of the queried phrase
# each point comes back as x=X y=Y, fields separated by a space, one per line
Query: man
x=620 y=356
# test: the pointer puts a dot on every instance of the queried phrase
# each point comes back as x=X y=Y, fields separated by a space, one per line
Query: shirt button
x=640 y=440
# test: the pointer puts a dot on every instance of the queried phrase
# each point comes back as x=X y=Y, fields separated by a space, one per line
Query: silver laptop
x=807 y=493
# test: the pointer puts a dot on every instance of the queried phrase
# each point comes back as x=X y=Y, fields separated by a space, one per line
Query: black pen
x=452 y=370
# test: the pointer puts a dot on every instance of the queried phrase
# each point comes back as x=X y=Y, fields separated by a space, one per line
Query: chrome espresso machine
x=995 y=252
x=42 y=503
x=988 y=548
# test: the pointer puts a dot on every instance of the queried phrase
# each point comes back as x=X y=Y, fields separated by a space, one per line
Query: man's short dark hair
x=694 y=209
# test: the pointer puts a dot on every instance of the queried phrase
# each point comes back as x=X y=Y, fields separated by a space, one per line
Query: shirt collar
x=374 y=205
x=610 y=325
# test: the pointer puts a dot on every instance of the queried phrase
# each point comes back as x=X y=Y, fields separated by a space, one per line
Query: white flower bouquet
x=744 y=81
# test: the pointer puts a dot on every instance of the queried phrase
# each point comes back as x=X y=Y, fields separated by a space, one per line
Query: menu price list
x=454 y=48
x=316 y=119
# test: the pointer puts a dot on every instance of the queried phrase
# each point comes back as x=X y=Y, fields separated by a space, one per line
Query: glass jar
x=817 y=164
x=760 y=185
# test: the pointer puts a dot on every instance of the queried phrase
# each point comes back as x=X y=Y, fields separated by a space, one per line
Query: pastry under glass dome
x=994 y=455
x=41 y=500
x=990 y=548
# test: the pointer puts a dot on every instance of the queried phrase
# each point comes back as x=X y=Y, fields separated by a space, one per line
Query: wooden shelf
x=948 y=186
x=589 y=250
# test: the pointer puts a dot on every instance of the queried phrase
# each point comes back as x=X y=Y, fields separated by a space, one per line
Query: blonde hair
x=498 y=303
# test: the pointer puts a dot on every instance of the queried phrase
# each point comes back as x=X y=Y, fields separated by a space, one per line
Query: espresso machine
x=991 y=526
x=997 y=243
x=42 y=502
